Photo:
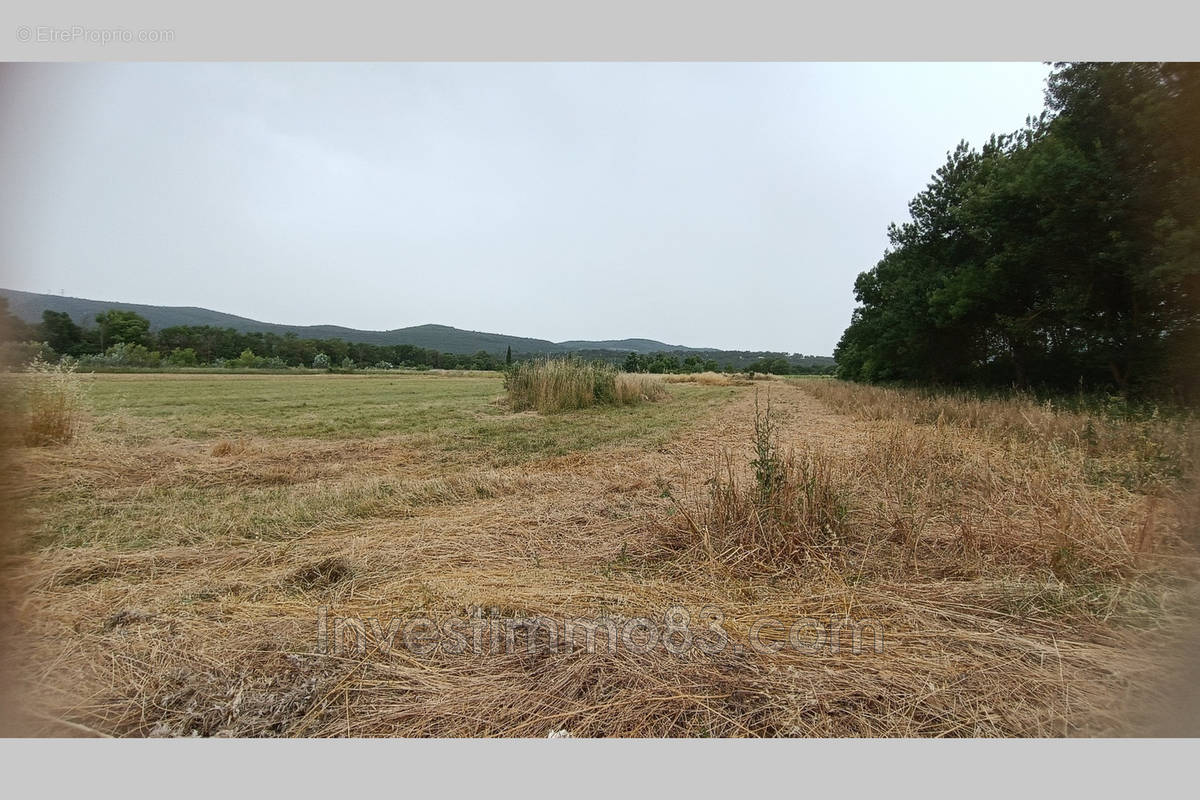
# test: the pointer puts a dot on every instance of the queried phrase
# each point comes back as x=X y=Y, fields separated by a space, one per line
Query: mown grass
x=181 y=546
x=310 y=406
x=182 y=460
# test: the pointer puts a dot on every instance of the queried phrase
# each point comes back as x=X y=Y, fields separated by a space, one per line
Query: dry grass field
x=1032 y=571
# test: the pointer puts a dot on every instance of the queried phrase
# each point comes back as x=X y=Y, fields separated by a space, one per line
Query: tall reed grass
x=549 y=385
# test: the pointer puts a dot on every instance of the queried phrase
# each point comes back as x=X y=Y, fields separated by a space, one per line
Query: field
x=244 y=555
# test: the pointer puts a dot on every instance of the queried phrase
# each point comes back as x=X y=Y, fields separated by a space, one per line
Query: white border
x=548 y=30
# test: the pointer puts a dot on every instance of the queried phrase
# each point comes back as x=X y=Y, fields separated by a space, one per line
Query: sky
x=710 y=205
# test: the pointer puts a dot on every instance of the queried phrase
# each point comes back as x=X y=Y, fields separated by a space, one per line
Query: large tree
x=61 y=333
x=1066 y=253
x=117 y=327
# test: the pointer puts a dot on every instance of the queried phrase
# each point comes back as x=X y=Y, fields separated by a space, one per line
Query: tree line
x=667 y=363
x=123 y=339
x=1065 y=255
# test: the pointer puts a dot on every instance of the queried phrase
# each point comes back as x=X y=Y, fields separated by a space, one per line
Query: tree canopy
x=1062 y=255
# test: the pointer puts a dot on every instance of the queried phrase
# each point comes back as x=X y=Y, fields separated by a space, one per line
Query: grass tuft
x=56 y=402
x=797 y=505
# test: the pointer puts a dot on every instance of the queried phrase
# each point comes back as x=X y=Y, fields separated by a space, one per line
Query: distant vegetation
x=122 y=339
x=667 y=363
x=1063 y=256
x=226 y=336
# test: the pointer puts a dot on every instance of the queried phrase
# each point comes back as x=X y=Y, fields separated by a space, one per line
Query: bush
x=248 y=360
x=550 y=385
x=124 y=354
x=183 y=357
x=321 y=361
x=55 y=399
x=245 y=360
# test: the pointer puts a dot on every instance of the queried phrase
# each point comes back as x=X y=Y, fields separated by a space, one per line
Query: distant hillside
x=29 y=307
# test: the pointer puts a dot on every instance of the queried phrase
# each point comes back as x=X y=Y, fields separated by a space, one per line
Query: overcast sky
x=712 y=205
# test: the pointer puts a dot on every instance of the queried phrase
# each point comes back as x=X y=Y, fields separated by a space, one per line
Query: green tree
x=118 y=327
x=60 y=332
x=245 y=360
x=182 y=357
x=1066 y=253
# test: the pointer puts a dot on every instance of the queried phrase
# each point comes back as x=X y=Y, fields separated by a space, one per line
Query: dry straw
x=1021 y=593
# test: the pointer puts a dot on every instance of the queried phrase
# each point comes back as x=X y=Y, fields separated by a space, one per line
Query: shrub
x=321 y=361
x=123 y=354
x=55 y=399
x=550 y=385
x=183 y=357
x=246 y=360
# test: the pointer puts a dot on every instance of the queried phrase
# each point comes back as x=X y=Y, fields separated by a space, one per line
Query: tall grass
x=631 y=388
x=1142 y=448
x=55 y=399
x=549 y=385
x=927 y=500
